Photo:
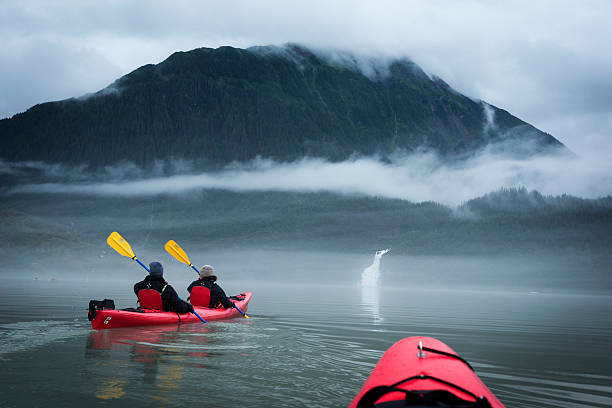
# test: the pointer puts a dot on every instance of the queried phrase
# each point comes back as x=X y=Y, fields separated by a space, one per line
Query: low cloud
x=49 y=172
x=42 y=170
x=415 y=177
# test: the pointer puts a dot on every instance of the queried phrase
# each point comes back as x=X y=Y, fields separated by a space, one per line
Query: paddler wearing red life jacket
x=155 y=293
x=206 y=293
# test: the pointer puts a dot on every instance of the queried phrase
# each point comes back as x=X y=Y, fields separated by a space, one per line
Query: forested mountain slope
x=215 y=106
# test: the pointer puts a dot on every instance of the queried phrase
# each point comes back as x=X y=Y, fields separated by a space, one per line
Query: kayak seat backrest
x=200 y=296
x=150 y=299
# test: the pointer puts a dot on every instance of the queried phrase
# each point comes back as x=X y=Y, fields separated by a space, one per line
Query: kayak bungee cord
x=413 y=396
x=444 y=353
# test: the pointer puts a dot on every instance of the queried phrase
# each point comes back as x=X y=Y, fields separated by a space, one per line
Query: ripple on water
x=22 y=336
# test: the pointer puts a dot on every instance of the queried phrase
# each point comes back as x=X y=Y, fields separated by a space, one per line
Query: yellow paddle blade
x=120 y=245
x=176 y=251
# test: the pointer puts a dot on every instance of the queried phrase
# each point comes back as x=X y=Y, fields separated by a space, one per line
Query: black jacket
x=217 y=295
x=170 y=299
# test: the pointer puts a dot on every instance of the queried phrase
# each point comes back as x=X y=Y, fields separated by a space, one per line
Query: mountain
x=215 y=106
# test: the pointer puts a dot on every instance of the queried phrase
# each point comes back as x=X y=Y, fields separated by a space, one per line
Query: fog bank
x=415 y=177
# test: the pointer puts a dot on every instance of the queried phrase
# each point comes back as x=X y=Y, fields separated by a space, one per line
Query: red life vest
x=200 y=296
x=150 y=299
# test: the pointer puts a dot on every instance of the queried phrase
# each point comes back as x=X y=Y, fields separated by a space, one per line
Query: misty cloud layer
x=415 y=177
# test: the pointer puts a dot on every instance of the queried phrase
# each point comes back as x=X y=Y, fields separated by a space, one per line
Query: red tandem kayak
x=113 y=318
x=430 y=375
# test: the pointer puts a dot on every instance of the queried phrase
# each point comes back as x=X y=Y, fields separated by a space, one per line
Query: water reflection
x=111 y=388
x=169 y=382
x=370 y=300
x=149 y=349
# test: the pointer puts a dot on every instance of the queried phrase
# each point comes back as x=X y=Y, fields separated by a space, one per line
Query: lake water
x=311 y=341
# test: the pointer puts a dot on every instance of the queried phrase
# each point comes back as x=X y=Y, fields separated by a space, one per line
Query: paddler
x=206 y=293
x=155 y=293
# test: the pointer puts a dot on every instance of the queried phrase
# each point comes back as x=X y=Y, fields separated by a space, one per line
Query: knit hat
x=208 y=271
x=156 y=269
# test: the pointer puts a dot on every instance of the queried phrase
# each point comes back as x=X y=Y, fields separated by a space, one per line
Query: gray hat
x=208 y=271
x=156 y=269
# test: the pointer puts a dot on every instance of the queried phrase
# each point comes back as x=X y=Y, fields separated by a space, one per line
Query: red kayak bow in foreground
x=423 y=372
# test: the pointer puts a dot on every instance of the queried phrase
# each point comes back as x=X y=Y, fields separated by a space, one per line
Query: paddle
x=176 y=251
x=119 y=244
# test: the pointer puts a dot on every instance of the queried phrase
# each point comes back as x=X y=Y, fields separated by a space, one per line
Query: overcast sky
x=548 y=62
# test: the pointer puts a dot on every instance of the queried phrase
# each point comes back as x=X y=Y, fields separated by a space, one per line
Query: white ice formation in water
x=370 y=275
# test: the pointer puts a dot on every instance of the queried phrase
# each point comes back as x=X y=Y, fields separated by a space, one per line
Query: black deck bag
x=238 y=297
x=99 y=305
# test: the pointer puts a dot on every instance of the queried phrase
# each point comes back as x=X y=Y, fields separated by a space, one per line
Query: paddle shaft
x=141 y=264
x=197 y=315
x=194 y=312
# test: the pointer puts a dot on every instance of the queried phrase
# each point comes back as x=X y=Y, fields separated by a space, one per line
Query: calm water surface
x=307 y=344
